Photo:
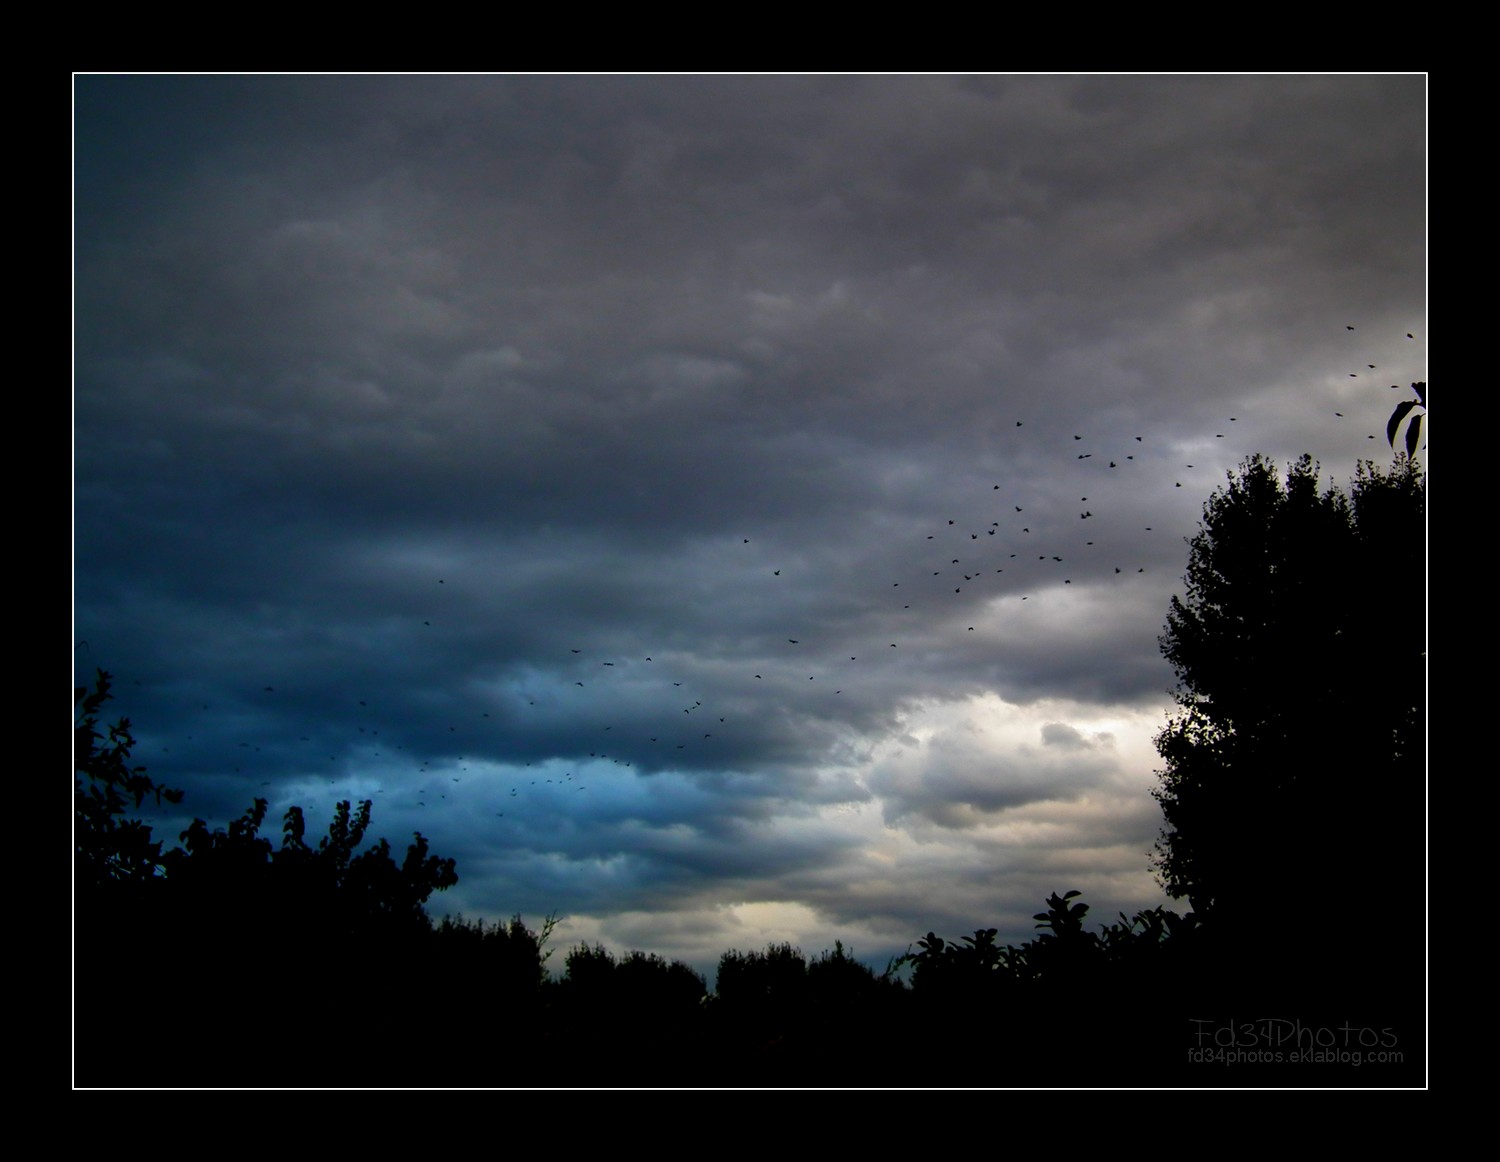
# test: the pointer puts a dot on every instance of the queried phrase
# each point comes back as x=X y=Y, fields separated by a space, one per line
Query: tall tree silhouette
x=1295 y=765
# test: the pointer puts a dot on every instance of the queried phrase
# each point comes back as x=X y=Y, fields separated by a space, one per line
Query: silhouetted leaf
x=1413 y=436
x=1403 y=409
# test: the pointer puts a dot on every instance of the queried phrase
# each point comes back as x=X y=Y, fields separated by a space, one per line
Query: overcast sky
x=716 y=510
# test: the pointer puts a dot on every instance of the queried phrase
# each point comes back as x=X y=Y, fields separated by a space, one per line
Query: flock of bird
x=654 y=714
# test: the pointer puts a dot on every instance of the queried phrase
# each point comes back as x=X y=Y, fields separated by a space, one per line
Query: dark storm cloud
x=392 y=393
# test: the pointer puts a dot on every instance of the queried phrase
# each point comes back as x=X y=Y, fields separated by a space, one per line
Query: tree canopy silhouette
x=1295 y=764
x=110 y=850
x=345 y=890
x=226 y=919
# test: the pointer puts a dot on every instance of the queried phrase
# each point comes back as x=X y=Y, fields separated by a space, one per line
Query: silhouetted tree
x=759 y=981
x=1295 y=765
x=835 y=980
x=110 y=850
x=227 y=922
x=331 y=893
x=649 y=981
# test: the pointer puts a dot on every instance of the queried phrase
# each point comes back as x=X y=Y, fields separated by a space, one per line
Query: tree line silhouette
x=1293 y=796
